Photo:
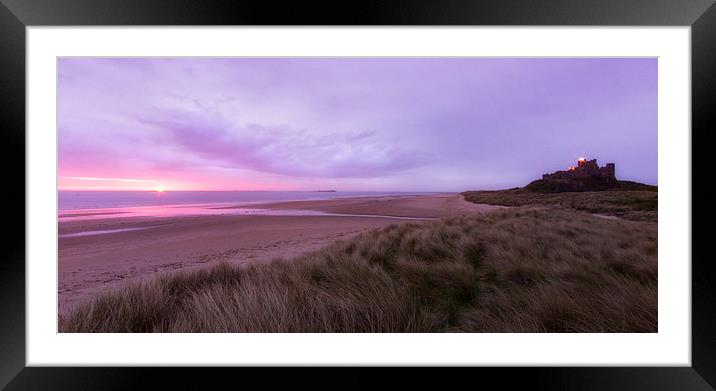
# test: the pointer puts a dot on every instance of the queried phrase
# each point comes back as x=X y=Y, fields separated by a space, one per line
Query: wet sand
x=99 y=253
x=398 y=206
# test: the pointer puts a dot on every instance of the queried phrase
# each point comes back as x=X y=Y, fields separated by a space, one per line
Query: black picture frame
x=16 y=15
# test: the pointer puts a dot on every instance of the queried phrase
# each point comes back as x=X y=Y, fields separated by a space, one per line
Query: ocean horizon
x=102 y=199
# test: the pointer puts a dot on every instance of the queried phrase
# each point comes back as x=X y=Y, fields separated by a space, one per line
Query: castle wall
x=585 y=168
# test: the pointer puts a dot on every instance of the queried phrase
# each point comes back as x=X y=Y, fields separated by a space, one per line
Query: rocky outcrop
x=585 y=176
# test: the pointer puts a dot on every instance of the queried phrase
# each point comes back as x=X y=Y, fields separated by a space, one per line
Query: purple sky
x=440 y=124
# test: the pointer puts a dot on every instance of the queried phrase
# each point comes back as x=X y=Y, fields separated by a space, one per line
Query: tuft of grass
x=634 y=205
x=515 y=270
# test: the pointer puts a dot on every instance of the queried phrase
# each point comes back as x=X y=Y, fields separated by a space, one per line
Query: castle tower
x=611 y=170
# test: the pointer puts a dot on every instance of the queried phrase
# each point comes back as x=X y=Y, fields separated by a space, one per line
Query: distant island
x=325 y=191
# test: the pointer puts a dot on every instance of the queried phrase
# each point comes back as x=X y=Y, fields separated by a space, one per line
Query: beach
x=100 y=252
x=351 y=195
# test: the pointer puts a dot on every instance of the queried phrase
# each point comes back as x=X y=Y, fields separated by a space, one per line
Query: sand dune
x=135 y=247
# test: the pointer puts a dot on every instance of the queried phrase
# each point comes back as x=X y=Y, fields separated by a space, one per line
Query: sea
x=78 y=200
x=83 y=205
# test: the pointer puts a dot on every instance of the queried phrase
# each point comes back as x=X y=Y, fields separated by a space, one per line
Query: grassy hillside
x=517 y=270
x=580 y=184
x=627 y=204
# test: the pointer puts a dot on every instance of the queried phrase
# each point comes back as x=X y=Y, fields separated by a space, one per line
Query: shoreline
x=137 y=246
x=114 y=209
x=264 y=207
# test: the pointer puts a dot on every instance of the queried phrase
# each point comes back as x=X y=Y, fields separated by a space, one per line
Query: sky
x=371 y=124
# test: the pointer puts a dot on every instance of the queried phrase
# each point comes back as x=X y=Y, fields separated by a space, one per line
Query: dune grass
x=633 y=205
x=515 y=270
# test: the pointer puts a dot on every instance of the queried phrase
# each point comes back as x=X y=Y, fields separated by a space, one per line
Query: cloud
x=281 y=149
x=362 y=123
x=84 y=178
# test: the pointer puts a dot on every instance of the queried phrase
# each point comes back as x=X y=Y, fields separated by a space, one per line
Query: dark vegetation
x=637 y=205
x=518 y=270
x=587 y=183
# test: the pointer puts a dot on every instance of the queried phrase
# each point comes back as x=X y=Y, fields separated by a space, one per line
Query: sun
x=159 y=189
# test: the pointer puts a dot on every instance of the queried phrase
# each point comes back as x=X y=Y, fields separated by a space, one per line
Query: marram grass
x=516 y=270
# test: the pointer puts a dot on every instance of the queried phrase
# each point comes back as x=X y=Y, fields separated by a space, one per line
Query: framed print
x=515 y=184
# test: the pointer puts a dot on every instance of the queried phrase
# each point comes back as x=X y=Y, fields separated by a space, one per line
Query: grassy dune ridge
x=517 y=270
x=636 y=205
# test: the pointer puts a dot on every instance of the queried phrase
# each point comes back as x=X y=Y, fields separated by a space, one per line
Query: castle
x=585 y=169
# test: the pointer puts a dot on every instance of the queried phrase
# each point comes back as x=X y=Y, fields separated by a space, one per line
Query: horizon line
x=306 y=191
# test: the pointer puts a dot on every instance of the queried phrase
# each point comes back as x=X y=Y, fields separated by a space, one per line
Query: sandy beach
x=97 y=253
x=394 y=206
